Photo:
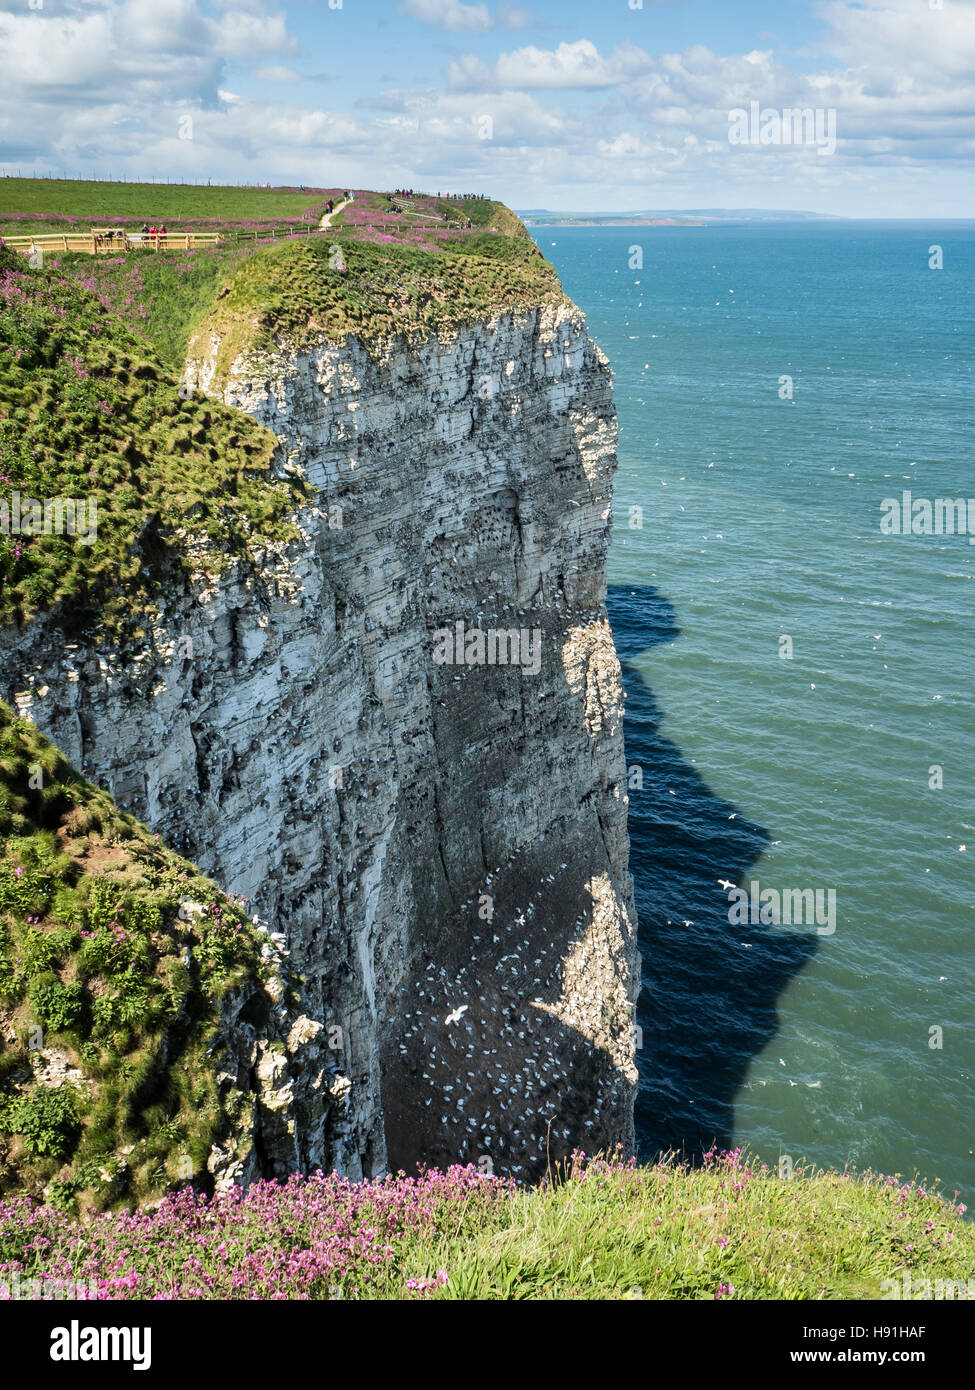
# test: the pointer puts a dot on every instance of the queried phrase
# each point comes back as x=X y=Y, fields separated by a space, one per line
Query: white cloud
x=905 y=36
x=139 y=50
x=243 y=35
x=70 y=54
x=450 y=14
x=275 y=72
x=171 y=26
x=512 y=17
x=462 y=18
x=577 y=65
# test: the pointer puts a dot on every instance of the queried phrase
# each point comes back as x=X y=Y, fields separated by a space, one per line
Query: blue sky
x=610 y=105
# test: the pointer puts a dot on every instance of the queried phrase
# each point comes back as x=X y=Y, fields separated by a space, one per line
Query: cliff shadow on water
x=709 y=990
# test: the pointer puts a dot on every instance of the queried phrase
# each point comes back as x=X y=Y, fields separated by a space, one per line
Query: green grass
x=160 y=299
x=666 y=1232
x=88 y=411
x=405 y=275
x=98 y=970
x=296 y=292
x=28 y=198
x=486 y=213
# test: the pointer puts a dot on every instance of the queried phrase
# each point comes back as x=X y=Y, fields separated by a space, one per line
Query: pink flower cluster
x=119 y=933
x=425 y=1286
x=306 y=1238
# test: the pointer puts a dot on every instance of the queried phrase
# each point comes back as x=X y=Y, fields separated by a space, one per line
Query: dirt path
x=327 y=219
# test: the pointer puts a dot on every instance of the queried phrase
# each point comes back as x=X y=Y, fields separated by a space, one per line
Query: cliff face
x=441 y=843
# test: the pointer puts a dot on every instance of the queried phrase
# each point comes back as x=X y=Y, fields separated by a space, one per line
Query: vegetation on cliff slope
x=114 y=956
x=159 y=299
x=295 y=292
x=296 y=285
x=599 y=1231
x=87 y=414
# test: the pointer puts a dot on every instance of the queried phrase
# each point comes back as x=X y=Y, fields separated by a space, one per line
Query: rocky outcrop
x=279 y=1082
x=440 y=842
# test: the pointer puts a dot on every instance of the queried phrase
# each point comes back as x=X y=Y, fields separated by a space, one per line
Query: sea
x=799 y=665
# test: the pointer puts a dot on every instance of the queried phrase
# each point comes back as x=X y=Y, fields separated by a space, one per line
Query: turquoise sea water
x=761 y=521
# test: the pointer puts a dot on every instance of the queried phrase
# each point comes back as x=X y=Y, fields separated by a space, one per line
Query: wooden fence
x=98 y=243
x=104 y=241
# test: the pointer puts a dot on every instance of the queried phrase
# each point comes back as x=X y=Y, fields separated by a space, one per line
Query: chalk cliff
x=441 y=848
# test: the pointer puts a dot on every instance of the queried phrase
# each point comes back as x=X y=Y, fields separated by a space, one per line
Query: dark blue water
x=761 y=522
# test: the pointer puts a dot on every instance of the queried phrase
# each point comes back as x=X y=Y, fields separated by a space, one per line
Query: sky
x=581 y=105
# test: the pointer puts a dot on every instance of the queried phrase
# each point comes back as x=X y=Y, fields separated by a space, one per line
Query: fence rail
x=106 y=240
x=104 y=243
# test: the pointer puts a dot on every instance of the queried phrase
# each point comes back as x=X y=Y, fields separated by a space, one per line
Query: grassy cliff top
x=62 y=204
x=114 y=955
x=386 y=266
x=297 y=292
x=52 y=204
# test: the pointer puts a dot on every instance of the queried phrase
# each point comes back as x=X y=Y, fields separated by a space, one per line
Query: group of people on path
x=457 y=197
x=154 y=232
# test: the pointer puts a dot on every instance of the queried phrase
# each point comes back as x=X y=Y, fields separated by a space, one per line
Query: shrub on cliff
x=109 y=998
x=88 y=415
